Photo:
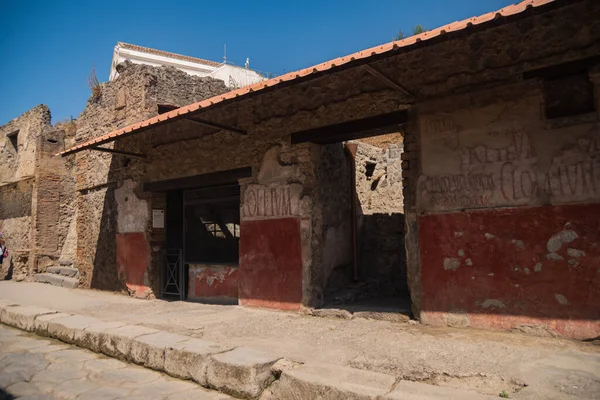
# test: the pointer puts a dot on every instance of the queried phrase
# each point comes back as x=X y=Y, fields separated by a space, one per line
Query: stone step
x=57 y=280
x=64 y=271
x=67 y=263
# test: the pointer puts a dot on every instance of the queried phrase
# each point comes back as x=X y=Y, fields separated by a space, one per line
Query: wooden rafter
x=218 y=126
x=121 y=152
x=388 y=81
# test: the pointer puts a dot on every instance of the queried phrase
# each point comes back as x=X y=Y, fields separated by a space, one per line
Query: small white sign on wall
x=158 y=218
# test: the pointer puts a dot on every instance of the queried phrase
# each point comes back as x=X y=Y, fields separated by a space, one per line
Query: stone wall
x=332 y=241
x=112 y=210
x=380 y=214
x=36 y=193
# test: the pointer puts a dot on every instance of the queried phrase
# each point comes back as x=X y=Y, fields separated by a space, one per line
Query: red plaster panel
x=213 y=283
x=133 y=258
x=503 y=268
x=271 y=264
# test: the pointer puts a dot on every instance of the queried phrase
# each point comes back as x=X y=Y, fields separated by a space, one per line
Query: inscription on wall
x=262 y=202
x=511 y=174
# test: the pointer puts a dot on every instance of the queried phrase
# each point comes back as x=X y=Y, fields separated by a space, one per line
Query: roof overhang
x=361 y=59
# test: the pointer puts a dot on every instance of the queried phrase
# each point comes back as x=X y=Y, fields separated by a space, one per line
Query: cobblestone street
x=32 y=367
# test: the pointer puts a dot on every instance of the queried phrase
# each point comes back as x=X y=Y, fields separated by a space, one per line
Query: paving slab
x=23 y=317
x=9 y=378
x=70 y=356
x=163 y=387
x=242 y=372
x=92 y=335
x=40 y=325
x=198 y=393
x=117 y=342
x=25 y=364
x=149 y=350
x=328 y=382
x=22 y=389
x=408 y=390
x=189 y=359
x=64 y=328
x=104 y=364
x=126 y=377
x=105 y=393
x=73 y=388
x=58 y=376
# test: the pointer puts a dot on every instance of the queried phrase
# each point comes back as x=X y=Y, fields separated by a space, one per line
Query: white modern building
x=232 y=75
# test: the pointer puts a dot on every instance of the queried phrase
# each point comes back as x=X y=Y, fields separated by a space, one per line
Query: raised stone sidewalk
x=242 y=372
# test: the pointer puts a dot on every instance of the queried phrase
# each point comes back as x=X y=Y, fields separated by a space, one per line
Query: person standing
x=3 y=248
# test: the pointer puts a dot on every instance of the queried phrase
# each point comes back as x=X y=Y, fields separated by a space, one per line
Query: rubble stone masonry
x=36 y=195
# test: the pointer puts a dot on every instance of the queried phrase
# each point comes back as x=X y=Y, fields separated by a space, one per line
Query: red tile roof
x=323 y=67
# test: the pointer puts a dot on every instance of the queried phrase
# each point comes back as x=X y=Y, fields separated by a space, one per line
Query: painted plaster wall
x=272 y=208
x=213 y=283
x=508 y=200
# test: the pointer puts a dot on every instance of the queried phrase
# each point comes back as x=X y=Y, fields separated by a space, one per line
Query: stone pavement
x=346 y=355
x=35 y=368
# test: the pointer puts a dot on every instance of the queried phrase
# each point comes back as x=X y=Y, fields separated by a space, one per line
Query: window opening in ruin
x=13 y=137
x=568 y=95
x=51 y=140
x=212 y=225
x=369 y=169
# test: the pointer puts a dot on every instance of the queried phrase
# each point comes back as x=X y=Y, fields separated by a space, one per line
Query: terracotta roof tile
x=325 y=66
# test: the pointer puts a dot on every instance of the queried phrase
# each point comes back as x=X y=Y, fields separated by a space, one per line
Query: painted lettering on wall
x=270 y=202
x=443 y=130
x=520 y=148
x=512 y=175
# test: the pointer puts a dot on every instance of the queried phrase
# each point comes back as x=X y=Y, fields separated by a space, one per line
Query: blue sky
x=48 y=47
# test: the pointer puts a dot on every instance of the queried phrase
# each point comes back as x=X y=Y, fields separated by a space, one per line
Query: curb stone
x=241 y=371
x=149 y=350
x=40 y=325
x=64 y=328
x=189 y=359
x=22 y=317
x=90 y=337
x=116 y=342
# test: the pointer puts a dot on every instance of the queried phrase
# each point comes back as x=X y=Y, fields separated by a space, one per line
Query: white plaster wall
x=133 y=212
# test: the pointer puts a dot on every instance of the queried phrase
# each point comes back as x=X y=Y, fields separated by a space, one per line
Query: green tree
x=415 y=31
x=418 y=29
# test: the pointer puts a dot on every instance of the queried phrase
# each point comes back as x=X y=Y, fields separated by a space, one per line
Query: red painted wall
x=537 y=266
x=213 y=283
x=270 y=273
x=133 y=258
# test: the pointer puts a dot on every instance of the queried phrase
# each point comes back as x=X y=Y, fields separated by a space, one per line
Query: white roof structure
x=233 y=76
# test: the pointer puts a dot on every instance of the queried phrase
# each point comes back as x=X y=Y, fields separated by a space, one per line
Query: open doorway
x=378 y=280
x=202 y=244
